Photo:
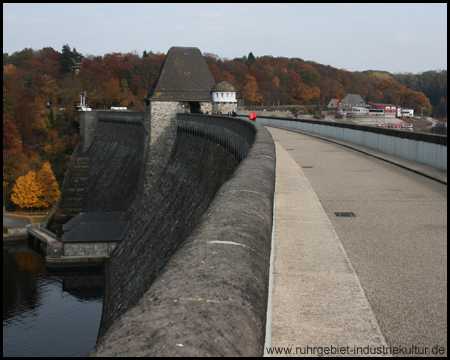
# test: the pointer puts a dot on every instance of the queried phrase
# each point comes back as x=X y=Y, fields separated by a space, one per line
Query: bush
x=9 y=206
x=317 y=117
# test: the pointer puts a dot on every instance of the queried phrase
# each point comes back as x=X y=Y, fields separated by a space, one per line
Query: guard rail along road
x=429 y=149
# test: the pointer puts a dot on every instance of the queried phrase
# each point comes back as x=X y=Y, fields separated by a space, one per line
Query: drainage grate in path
x=345 y=214
x=307 y=167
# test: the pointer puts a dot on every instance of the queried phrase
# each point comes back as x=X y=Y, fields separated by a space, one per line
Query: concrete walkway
x=396 y=244
x=317 y=299
x=18 y=220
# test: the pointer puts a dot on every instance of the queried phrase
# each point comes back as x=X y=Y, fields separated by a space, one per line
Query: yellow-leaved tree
x=26 y=191
x=36 y=190
x=50 y=189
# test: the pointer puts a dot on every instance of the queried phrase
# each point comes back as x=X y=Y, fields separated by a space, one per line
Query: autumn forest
x=42 y=87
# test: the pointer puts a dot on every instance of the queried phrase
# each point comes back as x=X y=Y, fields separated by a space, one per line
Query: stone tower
x=184 y=78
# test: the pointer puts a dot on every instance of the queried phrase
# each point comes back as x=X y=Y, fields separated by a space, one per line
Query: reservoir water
x=47 y=314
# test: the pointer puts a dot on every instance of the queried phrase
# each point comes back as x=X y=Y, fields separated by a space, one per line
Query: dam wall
x=106 y=169
x=190 y=277
x=90 y=119
x=116 y=155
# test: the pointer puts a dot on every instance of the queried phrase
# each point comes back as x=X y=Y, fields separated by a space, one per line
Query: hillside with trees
x=41 y=89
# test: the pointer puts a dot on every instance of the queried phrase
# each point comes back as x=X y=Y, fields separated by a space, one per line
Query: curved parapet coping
x=211 y=297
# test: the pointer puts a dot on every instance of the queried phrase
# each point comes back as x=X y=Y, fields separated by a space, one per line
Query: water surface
x=47 y=314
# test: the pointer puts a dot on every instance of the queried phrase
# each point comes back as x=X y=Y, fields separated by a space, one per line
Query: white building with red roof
x=333 y=104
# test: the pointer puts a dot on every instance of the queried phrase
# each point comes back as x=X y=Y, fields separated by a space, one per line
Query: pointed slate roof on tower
x=184 y=76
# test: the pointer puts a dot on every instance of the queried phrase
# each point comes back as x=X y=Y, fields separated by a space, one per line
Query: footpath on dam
x=317 y=299
x=346 y=285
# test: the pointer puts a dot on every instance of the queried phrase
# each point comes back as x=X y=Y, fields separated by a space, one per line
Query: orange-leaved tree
x=26 y=191
x=251 y=90
x=50 y=189
x=36 y=190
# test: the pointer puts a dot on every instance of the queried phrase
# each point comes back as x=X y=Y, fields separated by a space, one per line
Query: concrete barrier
x=210 y=298
x=430 y=149
x=15 y=234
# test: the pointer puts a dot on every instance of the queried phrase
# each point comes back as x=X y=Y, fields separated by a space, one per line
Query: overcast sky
x=392 y=37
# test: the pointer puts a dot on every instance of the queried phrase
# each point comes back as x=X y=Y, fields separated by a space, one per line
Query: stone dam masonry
x=105 y=170
x=193 y=265
x=195 y=193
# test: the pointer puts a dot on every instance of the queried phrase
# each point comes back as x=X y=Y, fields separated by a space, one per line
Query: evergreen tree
x=70 y=60
x=66 y=59
x=77 y=59
x=251 y=59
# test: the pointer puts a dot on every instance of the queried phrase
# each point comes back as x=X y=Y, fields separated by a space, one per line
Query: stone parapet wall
x=210 y=298
x=222 y=127
x=196 y=170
